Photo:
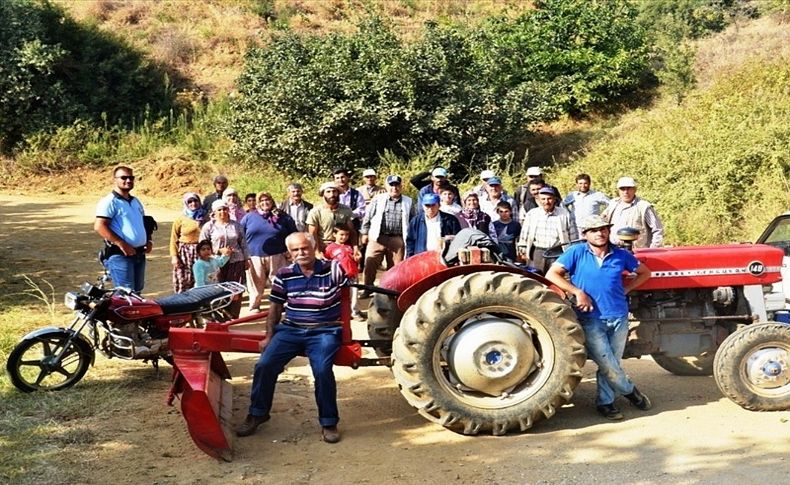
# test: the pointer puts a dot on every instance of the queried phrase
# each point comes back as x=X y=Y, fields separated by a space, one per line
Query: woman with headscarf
x=184 y=237
x=265 y=230
x=472 y=216
x=223 y=232
x=235 y=207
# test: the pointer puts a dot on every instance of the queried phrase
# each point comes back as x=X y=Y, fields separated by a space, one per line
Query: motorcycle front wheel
x=49 y=362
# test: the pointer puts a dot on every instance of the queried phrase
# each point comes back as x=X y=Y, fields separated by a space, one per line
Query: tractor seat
x=195 y=300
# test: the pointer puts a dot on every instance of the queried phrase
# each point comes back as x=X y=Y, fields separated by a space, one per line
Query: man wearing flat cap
x=385 y=228
x=545 y=227
x=631 y=211
x=596 y=281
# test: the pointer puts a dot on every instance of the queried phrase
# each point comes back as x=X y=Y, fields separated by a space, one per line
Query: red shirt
x=343 y=254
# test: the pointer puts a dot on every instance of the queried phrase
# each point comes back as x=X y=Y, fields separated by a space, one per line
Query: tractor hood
x=711 y=266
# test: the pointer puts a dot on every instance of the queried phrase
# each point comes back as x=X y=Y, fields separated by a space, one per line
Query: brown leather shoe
x=330 y=434
x=250 y=424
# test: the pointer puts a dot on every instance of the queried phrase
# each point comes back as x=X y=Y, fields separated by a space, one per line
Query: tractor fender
x=45 y=330
x=410 y=295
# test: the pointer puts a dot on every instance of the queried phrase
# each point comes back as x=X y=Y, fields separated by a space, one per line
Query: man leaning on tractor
x=596 y=281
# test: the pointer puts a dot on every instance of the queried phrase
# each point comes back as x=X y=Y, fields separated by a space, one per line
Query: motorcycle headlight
x=70 y=300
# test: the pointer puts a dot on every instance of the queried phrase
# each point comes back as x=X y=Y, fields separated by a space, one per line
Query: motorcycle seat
x=195 y=300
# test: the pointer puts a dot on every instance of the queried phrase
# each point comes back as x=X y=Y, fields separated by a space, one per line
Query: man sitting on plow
x=309 y=289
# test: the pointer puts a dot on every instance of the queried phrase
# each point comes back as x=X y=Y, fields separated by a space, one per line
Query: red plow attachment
x=200 y=376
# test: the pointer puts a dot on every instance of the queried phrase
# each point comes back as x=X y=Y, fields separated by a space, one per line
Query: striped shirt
x=309 y=300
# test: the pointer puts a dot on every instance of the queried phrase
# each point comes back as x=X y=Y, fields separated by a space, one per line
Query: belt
x=314 y=325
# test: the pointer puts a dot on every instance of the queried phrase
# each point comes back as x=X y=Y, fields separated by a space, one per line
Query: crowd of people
x=353 y=230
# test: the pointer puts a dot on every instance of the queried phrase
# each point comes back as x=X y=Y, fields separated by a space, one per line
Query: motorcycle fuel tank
x=134 y=308
x=711 y=266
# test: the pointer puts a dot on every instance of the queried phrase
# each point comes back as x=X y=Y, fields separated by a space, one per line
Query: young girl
x=343 y=253
x=206 y=267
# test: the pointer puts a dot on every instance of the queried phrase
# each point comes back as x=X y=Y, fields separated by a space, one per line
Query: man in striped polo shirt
x=309 y=292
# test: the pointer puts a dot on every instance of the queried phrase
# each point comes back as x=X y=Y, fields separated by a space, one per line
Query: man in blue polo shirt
x=309 y=291
x=596 y=280
x=119 y=220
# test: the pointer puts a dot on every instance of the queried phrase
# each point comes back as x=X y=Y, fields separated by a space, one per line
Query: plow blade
x=206 y=401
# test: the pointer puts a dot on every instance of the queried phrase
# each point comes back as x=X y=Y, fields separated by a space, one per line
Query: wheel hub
x=768 y=368
x=491 y=355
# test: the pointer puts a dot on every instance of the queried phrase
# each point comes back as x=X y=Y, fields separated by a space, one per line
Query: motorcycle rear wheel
x=33 y=367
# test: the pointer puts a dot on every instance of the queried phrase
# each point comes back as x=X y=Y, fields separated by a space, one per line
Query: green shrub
x=56 y=71
x=588 y=52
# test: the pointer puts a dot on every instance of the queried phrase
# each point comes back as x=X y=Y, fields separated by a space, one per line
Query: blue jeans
x=127 y=271
x=605 y=344
x=320 y=346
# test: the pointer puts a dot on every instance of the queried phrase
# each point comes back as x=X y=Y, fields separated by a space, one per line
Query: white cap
x=369 y=173
x=534 y=171
x=486 y=174
x=626 y=182
x=324 y=186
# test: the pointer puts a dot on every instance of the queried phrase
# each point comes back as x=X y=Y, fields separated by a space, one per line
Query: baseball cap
x=439 y=172
x=393 y=179
x=369 y=173
x=534 y=171
x=324 y=186
x=430 y=199
x=486 y=174
x=547 y=189
x=593 y=222
x=626 y=182
x=494 y=181
x=217 y=204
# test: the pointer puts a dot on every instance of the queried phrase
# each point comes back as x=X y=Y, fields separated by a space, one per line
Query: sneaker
x=250 y=424
x=330 y=434
x=639 y=400
x=608 y=411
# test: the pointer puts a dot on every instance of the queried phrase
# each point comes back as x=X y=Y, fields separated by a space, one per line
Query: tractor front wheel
x=752 y=367
x=488 y=352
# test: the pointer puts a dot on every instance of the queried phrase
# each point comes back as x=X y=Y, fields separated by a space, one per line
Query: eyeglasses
x=126 y=177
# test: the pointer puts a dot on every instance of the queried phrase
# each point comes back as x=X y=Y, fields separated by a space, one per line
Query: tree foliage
x=309 y=101
x=54 y=71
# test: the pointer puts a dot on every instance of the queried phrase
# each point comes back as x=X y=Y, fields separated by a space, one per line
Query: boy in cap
x=595 y=269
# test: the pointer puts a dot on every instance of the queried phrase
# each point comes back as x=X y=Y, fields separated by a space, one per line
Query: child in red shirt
x=343 y=253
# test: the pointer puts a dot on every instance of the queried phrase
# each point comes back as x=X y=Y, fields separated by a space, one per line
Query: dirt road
x=692 y=435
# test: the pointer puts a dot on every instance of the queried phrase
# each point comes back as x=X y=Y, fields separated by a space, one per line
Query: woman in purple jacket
x=265 y=230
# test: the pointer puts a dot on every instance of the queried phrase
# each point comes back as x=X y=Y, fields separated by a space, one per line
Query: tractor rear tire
x=383 y=318
x=452 y=314
x=752 y=367
x=697 y=365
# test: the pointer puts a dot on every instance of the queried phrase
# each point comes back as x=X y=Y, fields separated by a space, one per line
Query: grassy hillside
x=717 y=165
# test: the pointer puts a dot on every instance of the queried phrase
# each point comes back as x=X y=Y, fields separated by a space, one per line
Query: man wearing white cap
x=526 y=201
x=481 y=189
x=432 y=186
x=630 y=211
x=322 y=219
x=370 y=188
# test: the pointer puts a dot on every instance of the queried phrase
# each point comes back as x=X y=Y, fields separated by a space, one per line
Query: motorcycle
x=119 y=323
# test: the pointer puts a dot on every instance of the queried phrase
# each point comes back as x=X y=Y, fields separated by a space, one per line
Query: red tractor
x=481 y=346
